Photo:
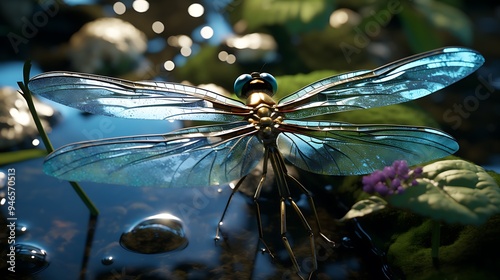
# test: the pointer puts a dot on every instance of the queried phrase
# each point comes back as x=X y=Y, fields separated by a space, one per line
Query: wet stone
x=156 y=234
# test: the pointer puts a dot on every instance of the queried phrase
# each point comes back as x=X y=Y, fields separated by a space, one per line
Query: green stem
x=26 y=93
x=436 y=237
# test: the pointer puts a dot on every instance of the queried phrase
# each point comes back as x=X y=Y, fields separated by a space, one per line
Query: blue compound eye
x=271 y=80
x=240 y=82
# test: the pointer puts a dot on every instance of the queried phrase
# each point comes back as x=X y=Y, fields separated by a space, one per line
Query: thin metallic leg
x=311 y=203
x=256 y=202
x=281 y=172
x=311 y=234
x=284 y=238
x=217 y=237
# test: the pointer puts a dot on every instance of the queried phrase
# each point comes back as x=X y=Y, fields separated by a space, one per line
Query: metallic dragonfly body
x=217 y=154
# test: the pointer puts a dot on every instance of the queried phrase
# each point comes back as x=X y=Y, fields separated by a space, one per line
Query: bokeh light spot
x=196 y=10
x=169 y=65
x=207 y=32
x=231 y=59
x=186 y=51
x=222 y=55
x=119 y=8
x=140 y=6
x=158 y=27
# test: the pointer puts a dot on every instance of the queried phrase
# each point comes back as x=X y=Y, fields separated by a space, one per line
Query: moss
x=463 y=258
x=466 y=252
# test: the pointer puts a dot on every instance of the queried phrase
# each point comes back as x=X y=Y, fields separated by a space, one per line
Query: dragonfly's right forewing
x=140 y=100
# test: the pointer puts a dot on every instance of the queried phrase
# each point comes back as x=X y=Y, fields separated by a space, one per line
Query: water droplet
x=347 y=242
x=156 y=234
x=21 y=229
x=28 y=259
x=107 y=260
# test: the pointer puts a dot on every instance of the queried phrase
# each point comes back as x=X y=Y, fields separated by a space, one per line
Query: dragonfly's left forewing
x=334 y=148
x=140 y=100
x=401 y=81
x=202 y=156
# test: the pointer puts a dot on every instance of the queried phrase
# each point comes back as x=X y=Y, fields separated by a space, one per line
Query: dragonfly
x=259 y=130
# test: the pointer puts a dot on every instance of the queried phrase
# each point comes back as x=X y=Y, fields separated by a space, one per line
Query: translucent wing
x=333 y=148
x=201 y=156
x=403 y=80
x=142 y=100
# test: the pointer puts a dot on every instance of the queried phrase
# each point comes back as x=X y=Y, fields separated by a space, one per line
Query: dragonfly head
x=248 y=83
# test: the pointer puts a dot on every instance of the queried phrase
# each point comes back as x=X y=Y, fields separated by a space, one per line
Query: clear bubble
x=28 y=259
x=108 y=260
x=156 y=234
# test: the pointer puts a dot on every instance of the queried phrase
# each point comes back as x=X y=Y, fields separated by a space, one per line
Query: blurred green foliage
x=307 y=42
x=295 y=15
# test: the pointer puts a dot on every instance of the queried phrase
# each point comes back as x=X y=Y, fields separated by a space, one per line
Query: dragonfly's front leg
x=235 y=189
x=256 y=202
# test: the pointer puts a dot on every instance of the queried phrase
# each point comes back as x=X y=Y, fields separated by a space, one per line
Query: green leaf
x=11 y=157
x=365 y=207
x=453 y=191
x=297 y=15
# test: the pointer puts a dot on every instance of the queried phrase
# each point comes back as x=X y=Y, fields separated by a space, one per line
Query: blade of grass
x=16 y=156
x=26 y=93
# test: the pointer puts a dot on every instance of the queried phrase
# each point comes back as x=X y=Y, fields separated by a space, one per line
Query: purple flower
x=392 y=179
